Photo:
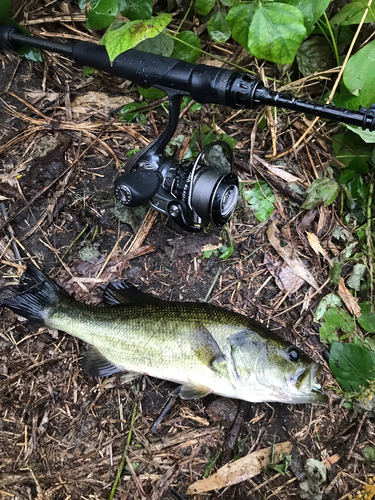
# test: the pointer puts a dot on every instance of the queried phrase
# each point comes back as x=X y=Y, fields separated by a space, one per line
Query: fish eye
x=293 y=354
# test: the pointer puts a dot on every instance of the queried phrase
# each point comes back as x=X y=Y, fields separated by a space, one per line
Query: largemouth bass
x=204 y=348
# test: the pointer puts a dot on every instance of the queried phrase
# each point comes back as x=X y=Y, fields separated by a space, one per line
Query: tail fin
x=33 y=296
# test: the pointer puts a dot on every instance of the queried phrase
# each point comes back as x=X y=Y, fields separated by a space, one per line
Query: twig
x=213 y=284
x=357 y=434
x=125 y=452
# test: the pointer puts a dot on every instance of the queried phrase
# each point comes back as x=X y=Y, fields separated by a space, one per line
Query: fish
x=202 y=347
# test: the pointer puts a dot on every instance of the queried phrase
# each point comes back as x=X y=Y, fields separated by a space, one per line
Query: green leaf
x=336 y=273
x=27 y=52
x=352 y=13
x=369 y=452
x=335 y=319
x=365 y=135
x=151 y=93
x=260 y=199
x=228 y=251
x=315 y=54
x=135 y=9
x=229 y=3
x=161 y=44
x=128 y=35
x=239 y=19
x=88 y=71
x=352 y=365
x=330 y=300
x=322 y=190
x=125 y=116
x=4 y=8
x=99 y=13
x=204 y=7
x=367 y=320
x=184 y=52
x=218 y=28
x=359 y=74
x=276 y=32
x=311 y=10
x=348 y=146
x=354 y=280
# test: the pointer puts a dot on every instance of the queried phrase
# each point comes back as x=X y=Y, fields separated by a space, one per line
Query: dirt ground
x=62 y=434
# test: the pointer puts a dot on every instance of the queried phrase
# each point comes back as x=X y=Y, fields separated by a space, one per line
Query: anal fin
x=97 y=365
x=190 y=390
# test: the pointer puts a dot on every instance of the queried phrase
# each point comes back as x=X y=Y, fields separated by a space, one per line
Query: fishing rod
x=193 y=193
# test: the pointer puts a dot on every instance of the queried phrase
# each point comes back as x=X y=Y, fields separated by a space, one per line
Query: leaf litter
x=63 y=434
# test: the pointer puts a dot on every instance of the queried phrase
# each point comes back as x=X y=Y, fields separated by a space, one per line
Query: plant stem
x=185 y=16
x=334 y=44
x=125 y=452
x=370 y=244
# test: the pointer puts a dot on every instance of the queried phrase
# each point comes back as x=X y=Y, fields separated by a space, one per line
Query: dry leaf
x=294 y=262
x=285 y=278
x=240 y=470
x=348 y=299
x=92 y=101
x=316 y=246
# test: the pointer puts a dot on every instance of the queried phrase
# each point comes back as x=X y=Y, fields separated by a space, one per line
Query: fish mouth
x=306 y=382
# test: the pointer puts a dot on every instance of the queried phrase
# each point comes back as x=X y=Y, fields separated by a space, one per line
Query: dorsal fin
x=123 y=292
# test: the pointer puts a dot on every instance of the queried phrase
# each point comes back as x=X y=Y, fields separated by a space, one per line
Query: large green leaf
x=184 y=52
x=315 y=54
x=359 y=74
x=161 y=44
x=218 y=28
x=337 y=324
x=239 y=19
x=99 y=13
x=204 y=7
x=4 y=8
x=321 y=191
x=352 y=365
x=312 y=10
x=352 y=13
x=367 y=320
x=347 y=146
x=135 y=9
x=128 y=35
x=276 y=32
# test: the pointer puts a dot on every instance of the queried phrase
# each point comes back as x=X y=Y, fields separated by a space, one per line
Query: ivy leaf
x=135 y=9
x=99 y=13
x=322 y=190
x=359 y=77
x=126 y=36
x=311 y=11
x=218 y=28
x=367 y=320
x=276 y=32
x=351 y=13
x=352 y=365
x=204 y=7
x=184 y=52
x=239 y=19
x=260 y=199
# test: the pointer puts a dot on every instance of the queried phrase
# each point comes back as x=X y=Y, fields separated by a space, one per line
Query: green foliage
x=127 y=116
x=367 y=320
x=369 y=453
x=352 y=13
x=124 y=36
x=182 y=50
x=204 y=7
x=260 y=199
x=135 y=9
x=99 y=13
x=161 y=44
x=4 y=8
x=322 y=191
x=315 y=54
x=218 y=28
x=352 y=365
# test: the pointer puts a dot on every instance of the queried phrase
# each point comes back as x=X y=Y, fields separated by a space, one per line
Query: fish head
x=281 y=371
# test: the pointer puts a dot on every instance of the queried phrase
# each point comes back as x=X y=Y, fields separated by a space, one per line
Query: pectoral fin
x=96 y=365
x=190 y=390
x=206 y=347
x=122 y=292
